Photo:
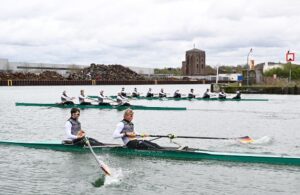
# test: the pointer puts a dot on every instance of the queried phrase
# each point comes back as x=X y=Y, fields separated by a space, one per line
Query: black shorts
x=81 y=142
x=142 y=145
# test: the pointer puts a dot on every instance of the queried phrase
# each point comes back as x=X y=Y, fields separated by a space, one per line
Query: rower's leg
x=79 y=142
x=146 y=145
x=95 y=142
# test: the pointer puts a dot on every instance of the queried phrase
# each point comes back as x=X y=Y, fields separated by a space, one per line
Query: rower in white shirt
x=150 y=93
x=222 y=94
x=65 y=99
x=177 y=94
x=206 y=94
x=123 y=93
x=135 y=93
x=162 y=94
x=75 y=135
x=191 y=94
x=101 y=98
x=122 y=101
x=83 y=100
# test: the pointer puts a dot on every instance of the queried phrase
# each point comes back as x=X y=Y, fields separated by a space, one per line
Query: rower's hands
x=130 y=134
x=80 y=134
x=144 y=135
x=171 y=136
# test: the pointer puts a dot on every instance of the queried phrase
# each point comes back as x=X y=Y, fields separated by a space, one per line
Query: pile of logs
x=94 y=72
x=46 y=75
x=106 y=72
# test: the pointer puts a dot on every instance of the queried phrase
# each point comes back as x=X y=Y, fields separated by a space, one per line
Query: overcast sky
x=148 y=33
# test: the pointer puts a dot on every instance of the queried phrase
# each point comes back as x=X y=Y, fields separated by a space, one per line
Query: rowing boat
x=167 y=152
x=121 y=107
x=186 y=98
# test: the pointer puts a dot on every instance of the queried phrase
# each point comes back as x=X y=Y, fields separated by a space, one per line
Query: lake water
x=274 y=124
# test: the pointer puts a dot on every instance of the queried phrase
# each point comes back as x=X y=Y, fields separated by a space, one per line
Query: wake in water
x=105 y=180
x=265 y=140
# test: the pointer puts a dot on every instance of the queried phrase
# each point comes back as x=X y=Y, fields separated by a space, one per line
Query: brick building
x=194 y=63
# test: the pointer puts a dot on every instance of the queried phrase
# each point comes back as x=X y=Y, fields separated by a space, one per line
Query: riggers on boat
x=167 y=152
x=122 y=107
x=186 y=98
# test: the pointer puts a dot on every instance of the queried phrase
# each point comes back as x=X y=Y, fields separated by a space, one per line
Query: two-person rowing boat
x=135 y=142
x=136 y=145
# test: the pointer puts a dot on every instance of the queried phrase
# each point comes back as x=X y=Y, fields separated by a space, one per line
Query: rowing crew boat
x=118 y=107
x=186 y=98
x=167 y=152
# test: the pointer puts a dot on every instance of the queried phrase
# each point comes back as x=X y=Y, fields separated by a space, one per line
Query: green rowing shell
x=134 y=107
x=186 y=98
x=167 y=152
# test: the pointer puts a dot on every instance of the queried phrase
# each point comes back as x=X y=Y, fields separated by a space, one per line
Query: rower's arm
x=68 y=127
x=66 y=97
x=117 y=133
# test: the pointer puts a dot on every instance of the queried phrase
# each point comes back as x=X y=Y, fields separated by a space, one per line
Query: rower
x=83 y=100
x=122 y=101
x=135 y=93
x=162 y=94
x=125 y=130
x=191 y=94
x=150 y=93
x=177 y=94
x=66 y=100
x=237 y=96
x=206 y=94
x=101 y=98
x=222 y=94
x=75 y=135
x=123 y=93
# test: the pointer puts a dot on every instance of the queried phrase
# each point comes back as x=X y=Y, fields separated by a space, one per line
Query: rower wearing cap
x=101 y=98
x=237 y=96
x=65 y=99
x=123 y=93
x=135 y=93
x=75 y=135
x=177 y=94
x=122 y=101
x=206 y=94
x=125 y=130
x=83 y=100
x=150 y=93
x=162 y=94
x=191 y=94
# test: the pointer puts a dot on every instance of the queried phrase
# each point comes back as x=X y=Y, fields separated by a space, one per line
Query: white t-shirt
x=68 y=130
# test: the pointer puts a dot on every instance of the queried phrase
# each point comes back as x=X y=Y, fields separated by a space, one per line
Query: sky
x=148 y=33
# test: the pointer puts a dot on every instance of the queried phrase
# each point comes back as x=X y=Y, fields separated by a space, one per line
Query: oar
x=102 y=165
x=244 y=139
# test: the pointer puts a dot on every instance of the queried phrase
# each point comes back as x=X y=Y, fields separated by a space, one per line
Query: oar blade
x=105 y=168
x=246 y=140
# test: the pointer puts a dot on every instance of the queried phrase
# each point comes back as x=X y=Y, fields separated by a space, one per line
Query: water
x=273 y=124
